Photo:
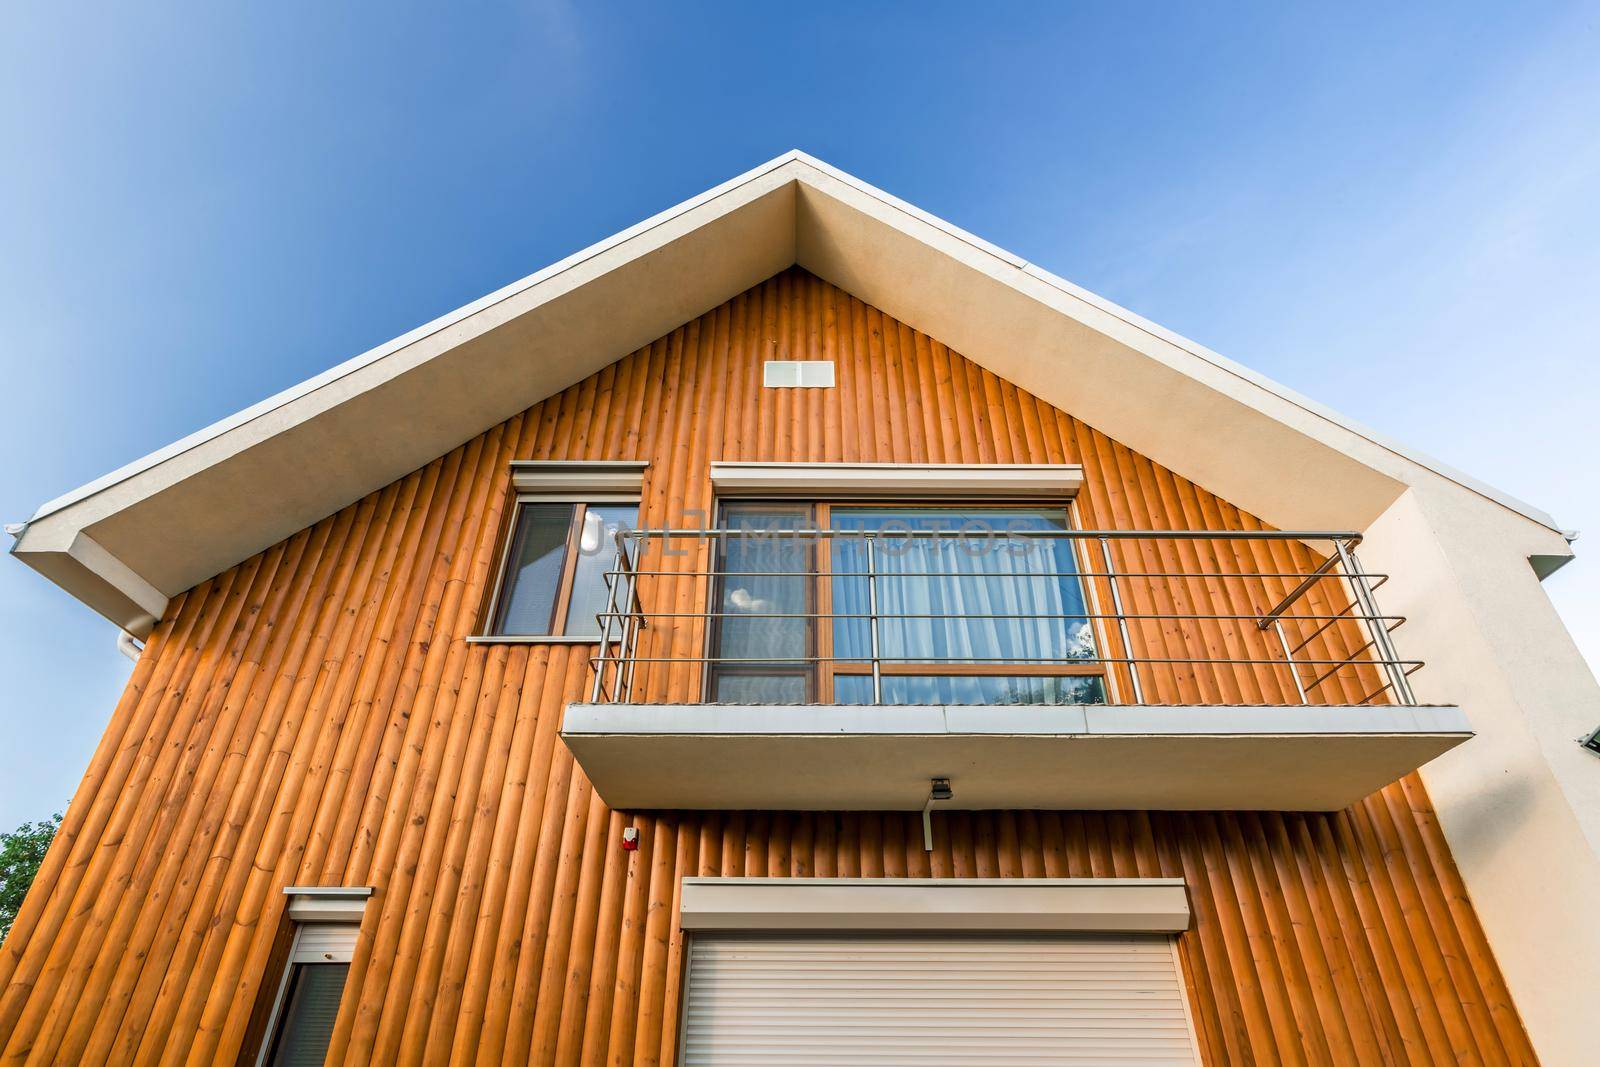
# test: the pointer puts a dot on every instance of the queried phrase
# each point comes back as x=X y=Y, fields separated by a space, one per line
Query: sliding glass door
x=760 y=657
x=971 y=606
x=901 y=605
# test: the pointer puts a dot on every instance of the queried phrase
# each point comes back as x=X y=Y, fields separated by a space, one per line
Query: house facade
x=797 y=631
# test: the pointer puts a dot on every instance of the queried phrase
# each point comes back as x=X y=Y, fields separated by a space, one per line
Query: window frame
x=298 y=956
x=818 y=601
x=490 y=614
x=823 y=670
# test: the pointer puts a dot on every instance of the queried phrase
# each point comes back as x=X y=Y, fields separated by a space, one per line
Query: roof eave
x=179 y=515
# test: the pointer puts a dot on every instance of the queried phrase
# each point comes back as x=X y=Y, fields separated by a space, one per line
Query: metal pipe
x=872 y=608
x=626 y=646
x=1314 y=634
x=1192 y=576
x=934 y=664
x=605 y=634
x=129 y=645
x=1158 y=617
x=1354 y=657
x=939 y=790
x=1294 y=672
x=1379 y=634
x=1295 y=594
x=1342 y=565
x=632 y=627
x=1347 y=536
x=1122 y=621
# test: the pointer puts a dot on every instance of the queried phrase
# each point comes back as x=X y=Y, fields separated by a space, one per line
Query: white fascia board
x=1299 y=400
x=725 y=240
x=79 y=564
x=189 y=511
x=1108 y=905
x=918 y=480
x=465 y=312
x=373 y=355
x=91 y=556
x=1189 y=347
x=449 y=330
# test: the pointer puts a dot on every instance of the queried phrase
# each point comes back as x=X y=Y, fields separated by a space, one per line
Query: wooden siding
x=314 y=715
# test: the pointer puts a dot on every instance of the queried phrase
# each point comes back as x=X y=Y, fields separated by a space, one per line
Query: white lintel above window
x=327 y=904
x=907 y=480
x=581 y=476
x=1124 y=905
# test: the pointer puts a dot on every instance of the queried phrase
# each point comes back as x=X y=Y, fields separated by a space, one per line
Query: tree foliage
x=21 y=852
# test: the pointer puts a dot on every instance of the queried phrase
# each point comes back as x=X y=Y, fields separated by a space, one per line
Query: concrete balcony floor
x=1109 y=757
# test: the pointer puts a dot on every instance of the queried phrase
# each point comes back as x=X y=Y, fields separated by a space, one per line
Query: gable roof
x=126 y=542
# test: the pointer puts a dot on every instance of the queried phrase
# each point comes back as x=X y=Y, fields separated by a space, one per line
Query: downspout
x=940 y=791
x=129 y=645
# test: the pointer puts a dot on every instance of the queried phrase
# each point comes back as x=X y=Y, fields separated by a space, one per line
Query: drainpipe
x=940 y=791
x=129 y=645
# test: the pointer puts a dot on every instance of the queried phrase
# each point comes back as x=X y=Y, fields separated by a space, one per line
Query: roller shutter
x=931 y=1001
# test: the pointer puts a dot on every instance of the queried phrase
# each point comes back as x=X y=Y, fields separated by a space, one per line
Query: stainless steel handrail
x=620 y=654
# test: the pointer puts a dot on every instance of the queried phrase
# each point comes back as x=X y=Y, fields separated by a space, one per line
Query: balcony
x=801 y=664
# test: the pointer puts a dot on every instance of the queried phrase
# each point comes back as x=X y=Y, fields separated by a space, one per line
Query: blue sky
x=1394 y=209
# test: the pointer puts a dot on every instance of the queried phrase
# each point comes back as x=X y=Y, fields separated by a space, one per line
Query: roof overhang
x=126 y=542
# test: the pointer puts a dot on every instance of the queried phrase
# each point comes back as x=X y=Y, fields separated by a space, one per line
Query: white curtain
x=968 y=578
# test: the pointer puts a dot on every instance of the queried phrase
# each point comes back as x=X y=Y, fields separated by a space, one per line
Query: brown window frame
x=816 y=597
x=824 y=670
x=489 y=628
x=294 y=964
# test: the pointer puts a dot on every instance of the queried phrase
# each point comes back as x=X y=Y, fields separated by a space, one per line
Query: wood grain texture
x=314 y=715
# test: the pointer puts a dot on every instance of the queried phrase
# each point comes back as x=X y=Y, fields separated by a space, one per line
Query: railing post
x=1122 y=621
x=612 y=580
x=872 y=618
x=1288 y=657
x=1376 y=630
x=631 y=623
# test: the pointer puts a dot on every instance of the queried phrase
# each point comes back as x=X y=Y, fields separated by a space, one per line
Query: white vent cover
x=797 y=374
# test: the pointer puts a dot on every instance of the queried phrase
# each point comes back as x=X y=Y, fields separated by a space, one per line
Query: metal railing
x=1312 y=627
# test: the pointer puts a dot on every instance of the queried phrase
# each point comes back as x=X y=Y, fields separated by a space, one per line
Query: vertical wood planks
x=315 y=715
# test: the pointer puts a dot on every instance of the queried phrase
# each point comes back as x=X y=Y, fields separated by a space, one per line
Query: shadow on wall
x=1480 y=824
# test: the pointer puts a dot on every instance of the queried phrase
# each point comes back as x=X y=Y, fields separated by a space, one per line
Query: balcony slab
x=880 y=758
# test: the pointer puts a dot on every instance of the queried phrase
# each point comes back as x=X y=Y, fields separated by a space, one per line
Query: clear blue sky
x=1395 y=210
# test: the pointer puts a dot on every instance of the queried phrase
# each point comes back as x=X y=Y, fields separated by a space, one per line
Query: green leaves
x=21 y=852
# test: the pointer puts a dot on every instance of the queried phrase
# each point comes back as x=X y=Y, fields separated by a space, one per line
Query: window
x=765 y=660
x=553 y=581
x=973 y=605
x=308 y=1000
x=326 y=922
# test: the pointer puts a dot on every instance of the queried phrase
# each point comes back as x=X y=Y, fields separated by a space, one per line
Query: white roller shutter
x=934 y=1001
x=325 y=943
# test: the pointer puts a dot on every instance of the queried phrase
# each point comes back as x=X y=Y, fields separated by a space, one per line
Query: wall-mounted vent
x=798 y=374
x=1591 y=742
